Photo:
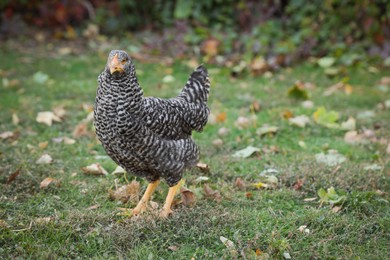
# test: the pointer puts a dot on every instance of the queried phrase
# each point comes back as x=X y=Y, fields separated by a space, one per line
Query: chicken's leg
x=141 y=206
x=168 y=201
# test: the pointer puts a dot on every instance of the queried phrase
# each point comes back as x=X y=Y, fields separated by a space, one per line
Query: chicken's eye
x=124 y=61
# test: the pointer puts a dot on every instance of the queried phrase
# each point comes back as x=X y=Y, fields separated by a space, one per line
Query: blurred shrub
x=279 y=27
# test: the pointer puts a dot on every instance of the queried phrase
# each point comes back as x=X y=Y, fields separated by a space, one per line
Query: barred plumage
x=150 y=137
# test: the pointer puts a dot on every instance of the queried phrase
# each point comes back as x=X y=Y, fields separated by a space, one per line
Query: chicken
x=149 y=137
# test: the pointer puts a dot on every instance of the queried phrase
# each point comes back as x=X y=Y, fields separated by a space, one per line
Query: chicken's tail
x=197 y=87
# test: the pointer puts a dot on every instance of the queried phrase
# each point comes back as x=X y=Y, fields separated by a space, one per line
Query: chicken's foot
x=141 y=206
x=166 y=210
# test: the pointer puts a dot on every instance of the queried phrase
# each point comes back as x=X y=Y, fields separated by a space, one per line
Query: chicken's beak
x=115 y=65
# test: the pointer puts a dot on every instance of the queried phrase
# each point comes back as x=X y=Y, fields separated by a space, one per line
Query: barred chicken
x=149 y=137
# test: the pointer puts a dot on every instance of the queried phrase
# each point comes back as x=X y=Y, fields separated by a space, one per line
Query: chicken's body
x=150 y=137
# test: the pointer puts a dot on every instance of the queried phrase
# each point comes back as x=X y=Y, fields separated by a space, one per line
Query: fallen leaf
x=6 y=135
x=223 y=131
x=93 y=207
x=242 y=122
x=221 y=117
x=203 y=167
x=353 y=137
x=217 y=142
x=59 y=111
x=287 y=114
x=94 y=169
x=68 y=140
x=373 y=167
x=44 y=159
x=187 y=197
x=298 y=91
x=118 y=170
x=173 y=248
x=299 y=121
x=81 y=130
x=246 y=152
x=331 y=196
x=13 y=176
x=168 y=79
x=255 y=106
x=385 y=81
x=298 y=184
x=3 y=224
x=333 y=158
x=43 y=221
x=309 y=199
x=230 y=246
x=349 y=125
x=47 y=117
x=43 y=145
x=366 y=114
x=326 y=118
x=326 y=62
x=240 y=184
x=308 y=104
x=40 y=77
x=125 y=193
x=46 y=182
x=336 y=209
x=302 y=228
x=212 y=194
x=15 y=119
x=260 y=185
x=266 y=129
x=10 y=83
x=202 y=179
x=286 y=255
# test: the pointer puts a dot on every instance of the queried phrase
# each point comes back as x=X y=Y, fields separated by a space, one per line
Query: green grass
x=265 y=221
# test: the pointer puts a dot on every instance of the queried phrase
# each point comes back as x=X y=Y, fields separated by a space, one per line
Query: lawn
x=267 y=205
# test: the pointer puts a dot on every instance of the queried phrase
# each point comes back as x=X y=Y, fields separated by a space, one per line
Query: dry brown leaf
x=187 y=196
x=94 y=169
x=59 y=111
x=6 y=135
x=43 y=145
x=336 y=209
x=44 y=159
x=3 y=223
x=255 y=106
x=221 y=117
x=15 y=119
x=217 y=142
x=173 y=248
x=212 y=194
x=242 y=122
x=385 y=81
x=93 y=207
x=43 y=221
x=223 y=131
x=68 y=140
x=203 y=167
x=240 y=184
x=125 y=193
x=46 y=182
x=13 y=176
x=298 y=184
x=287 y=114
x=81 y=130
x=47 y=117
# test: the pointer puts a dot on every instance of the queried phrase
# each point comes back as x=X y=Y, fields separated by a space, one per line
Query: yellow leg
x=141 y=206
x=168 y=201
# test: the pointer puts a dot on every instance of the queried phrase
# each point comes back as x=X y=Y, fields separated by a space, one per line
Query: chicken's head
x=119 y=63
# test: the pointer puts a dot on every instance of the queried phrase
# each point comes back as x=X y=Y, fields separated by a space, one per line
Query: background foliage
x=282 y=29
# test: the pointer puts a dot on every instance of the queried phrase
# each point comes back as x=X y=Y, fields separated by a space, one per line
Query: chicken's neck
x=129 y=94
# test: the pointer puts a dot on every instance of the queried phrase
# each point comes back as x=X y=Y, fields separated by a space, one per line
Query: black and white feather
x=150 y=137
